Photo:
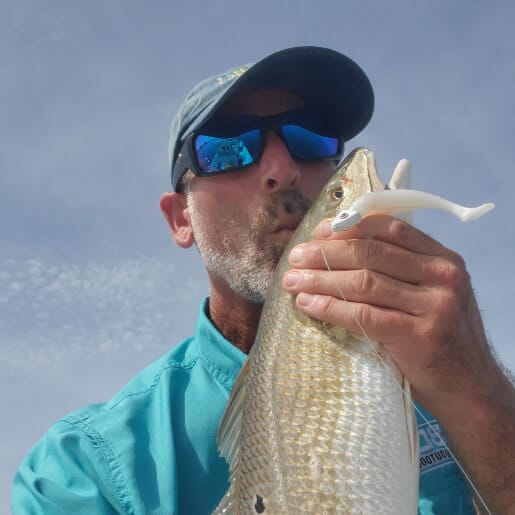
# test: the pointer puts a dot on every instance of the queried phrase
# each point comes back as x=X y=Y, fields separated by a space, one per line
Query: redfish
x=318 y=420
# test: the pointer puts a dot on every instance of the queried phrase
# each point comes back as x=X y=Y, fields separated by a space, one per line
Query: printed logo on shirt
x=433 y=447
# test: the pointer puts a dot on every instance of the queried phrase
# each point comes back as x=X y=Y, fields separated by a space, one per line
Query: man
x=249 y=151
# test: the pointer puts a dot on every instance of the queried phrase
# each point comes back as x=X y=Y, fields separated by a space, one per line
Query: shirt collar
x=220 y=357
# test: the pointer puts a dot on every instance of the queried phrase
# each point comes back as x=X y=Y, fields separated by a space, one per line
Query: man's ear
x=175 y=209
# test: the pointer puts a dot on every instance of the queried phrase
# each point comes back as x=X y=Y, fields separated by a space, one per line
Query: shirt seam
x=110 y=461
x=112 y=465
x=217 y=373
x=154 y=384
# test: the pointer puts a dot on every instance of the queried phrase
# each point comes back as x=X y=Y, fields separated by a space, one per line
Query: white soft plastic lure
x=393 y=201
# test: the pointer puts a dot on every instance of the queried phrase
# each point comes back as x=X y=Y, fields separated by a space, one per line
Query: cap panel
x=199 y=105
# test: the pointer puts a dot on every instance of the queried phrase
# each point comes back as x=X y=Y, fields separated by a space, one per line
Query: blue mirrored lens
x=306 y=144
x=216 y=154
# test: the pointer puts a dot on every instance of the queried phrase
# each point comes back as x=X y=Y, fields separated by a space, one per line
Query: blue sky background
x=92 y=289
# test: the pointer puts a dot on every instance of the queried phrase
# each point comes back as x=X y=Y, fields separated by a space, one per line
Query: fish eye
x=337 y=194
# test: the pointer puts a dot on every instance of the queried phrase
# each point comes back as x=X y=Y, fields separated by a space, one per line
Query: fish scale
x=317 y=421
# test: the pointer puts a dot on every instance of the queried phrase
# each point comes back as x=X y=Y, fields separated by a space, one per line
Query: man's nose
x=279 y=169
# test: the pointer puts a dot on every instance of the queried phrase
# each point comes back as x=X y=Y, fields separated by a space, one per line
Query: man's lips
x=286 y=212
x=289 y=224
x=283 y=233
x=286 y=228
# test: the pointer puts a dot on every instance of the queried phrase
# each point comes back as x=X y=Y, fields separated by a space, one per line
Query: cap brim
x=324 y=78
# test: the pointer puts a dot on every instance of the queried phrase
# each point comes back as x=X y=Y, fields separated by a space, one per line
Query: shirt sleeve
x=71 y=470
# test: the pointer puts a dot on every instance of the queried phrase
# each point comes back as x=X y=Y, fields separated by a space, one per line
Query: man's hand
x=414 y=296
x=408 y=292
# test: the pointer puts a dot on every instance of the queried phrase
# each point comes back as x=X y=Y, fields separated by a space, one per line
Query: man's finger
x=363 y=286
x=365 y=254
x=376 y=323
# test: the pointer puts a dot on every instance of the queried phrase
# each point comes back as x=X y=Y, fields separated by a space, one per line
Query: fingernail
x=324 y=229
x=304 y=299
x=296 y=255
x=291 y=278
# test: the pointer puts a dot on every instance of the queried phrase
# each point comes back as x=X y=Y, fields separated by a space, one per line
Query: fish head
x=353 y=178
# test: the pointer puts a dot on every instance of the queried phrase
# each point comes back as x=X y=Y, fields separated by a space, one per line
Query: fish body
x=317 y=421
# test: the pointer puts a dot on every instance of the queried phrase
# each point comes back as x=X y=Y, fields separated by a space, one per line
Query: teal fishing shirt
x=152 y=448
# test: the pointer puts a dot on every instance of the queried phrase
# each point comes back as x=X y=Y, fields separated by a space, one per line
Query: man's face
x=243 y=219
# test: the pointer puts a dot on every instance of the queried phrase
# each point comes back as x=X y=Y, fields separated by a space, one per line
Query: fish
x=319 y=419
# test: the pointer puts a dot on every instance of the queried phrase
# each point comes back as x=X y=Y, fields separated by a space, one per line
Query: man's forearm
x=482 y=436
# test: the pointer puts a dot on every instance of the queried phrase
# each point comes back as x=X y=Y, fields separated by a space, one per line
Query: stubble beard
x=242 y=254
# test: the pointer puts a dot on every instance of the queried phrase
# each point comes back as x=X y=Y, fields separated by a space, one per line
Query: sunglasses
x=236 y=142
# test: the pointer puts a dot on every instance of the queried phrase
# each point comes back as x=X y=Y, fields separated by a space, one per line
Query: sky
x=92 y=288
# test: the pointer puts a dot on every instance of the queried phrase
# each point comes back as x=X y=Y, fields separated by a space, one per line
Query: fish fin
x=228 y=438
x=226 y=505
x=229 y=429
x=411 y=421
